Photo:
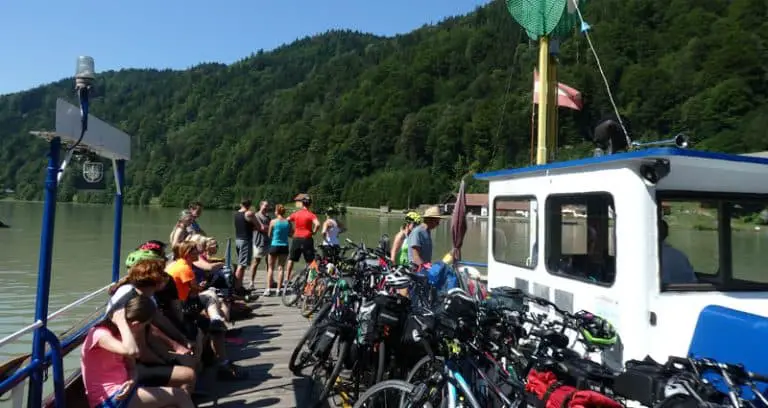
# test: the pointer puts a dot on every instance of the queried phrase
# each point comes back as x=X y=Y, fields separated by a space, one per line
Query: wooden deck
x=269 y=339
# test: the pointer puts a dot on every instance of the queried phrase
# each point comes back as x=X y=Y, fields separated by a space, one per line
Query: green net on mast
x=539 y=18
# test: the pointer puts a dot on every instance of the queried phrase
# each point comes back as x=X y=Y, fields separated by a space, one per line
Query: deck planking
x=270 y=336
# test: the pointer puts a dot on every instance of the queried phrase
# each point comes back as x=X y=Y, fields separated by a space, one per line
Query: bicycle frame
x=456 y=382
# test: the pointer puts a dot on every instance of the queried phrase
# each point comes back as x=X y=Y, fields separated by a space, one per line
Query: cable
x=585 y=29
x=82 y=96
x=509 y=84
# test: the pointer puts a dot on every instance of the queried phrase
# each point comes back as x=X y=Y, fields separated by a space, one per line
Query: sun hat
x=431 y=212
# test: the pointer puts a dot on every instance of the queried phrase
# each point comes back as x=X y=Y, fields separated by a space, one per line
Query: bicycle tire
x=420 y=364
x=403 y=387
x=307 y=335
x=320 y=300
x=331 y=381
x=296 y=283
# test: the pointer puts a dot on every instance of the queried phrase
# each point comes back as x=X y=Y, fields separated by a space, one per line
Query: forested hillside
x=370 y=120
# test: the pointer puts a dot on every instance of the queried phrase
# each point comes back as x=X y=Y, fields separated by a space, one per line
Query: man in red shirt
x=305 y=225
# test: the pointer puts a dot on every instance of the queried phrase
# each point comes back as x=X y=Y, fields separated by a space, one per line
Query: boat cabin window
x=514 y=222
x=712 y=241
x=580 y=242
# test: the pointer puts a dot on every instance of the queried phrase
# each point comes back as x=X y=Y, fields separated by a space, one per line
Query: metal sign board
x=101 y=138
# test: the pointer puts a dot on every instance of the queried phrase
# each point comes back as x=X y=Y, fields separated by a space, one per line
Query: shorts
x=302 y=246
x=112 y=402
x=278 y=250
x=330 y=251
x=153 y=375
x=244 y=250
x=209 y=298
x=259 y=252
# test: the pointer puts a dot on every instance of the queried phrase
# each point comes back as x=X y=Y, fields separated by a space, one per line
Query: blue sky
x=41 y=39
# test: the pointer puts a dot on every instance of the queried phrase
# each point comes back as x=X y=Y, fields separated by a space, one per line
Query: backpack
x=442 y=277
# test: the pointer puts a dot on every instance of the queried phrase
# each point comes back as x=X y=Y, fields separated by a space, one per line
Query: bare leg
x=254 y=268
x=279 y=276
x=289 y=269
x=281 y=262
x=219 y=347
x=160 y=397
x=270 y=271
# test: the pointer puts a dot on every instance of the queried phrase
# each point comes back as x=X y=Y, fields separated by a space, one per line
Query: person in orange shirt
x=305 y=225
x=187 y=288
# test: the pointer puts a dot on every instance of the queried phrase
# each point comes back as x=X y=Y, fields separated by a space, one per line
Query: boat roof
x=673 y=154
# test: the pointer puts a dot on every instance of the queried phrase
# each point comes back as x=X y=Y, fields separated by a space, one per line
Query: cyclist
x=305 y=225
x=399 y=252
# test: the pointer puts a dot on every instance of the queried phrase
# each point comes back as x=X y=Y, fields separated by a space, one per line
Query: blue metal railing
x=42 y=334
x=41 y=359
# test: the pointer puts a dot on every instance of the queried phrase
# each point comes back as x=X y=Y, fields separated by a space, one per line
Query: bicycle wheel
x=329 y=383
x=301 y=357
x=317 y=298
x=294 y=288
x=389 y=394
x=425 y=368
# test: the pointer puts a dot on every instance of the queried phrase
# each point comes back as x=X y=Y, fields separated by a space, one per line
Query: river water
x=82 y=257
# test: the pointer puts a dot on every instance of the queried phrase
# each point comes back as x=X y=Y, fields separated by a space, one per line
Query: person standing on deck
x=305 y=225
x=260 y=241
x=244 y=225
x=279 y=231
x=399 y=251
x=331 y=230
x=195 y=209
x=420 y=239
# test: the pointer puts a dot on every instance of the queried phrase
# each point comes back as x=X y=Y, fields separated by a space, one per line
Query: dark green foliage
x=368 y=121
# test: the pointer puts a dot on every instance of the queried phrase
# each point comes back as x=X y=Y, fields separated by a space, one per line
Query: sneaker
x=267 y=292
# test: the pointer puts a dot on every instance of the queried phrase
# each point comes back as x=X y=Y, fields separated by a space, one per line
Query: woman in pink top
x=107 y=363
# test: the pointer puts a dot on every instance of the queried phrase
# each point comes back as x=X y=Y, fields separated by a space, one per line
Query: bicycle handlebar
x=735 y=371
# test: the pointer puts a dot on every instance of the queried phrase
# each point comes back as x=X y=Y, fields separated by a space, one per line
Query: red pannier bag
x=554 y=394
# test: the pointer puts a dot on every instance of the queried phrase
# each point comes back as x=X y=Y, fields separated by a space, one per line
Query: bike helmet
x=596 y=330
x=158 y=247
x=413 y=217
x=140 y=255
x=397 y=280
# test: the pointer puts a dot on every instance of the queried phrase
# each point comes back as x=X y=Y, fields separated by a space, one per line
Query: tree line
x=368 y=120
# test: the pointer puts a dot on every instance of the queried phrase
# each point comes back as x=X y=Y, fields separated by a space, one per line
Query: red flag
x=567 y=97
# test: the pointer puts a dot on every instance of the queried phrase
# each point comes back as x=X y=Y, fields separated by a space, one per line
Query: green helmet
x=413 y=218
x=140 y=255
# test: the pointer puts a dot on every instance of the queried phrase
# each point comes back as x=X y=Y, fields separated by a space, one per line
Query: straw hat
x=431 y=212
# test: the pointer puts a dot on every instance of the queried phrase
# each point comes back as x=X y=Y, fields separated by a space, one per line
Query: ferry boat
x=720 y=312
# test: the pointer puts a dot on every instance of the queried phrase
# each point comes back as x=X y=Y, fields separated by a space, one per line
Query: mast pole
x=544 y=90
x=552 y=105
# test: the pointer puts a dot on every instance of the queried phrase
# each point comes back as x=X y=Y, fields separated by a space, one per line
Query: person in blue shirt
x=420 y=238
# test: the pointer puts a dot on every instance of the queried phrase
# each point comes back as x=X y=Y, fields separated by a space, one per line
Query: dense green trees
x=370 y=120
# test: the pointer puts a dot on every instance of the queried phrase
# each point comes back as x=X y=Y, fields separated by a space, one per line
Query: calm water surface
x=82 y=255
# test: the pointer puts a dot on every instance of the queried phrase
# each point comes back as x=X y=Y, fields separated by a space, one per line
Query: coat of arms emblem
x=93 y=172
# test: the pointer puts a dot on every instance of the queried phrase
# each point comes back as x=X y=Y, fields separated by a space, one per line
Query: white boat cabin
x=594 y=240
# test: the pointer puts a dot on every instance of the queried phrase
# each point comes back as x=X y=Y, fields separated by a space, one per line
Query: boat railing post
x=35 y=395
x=57 y=361
x=118 y=167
